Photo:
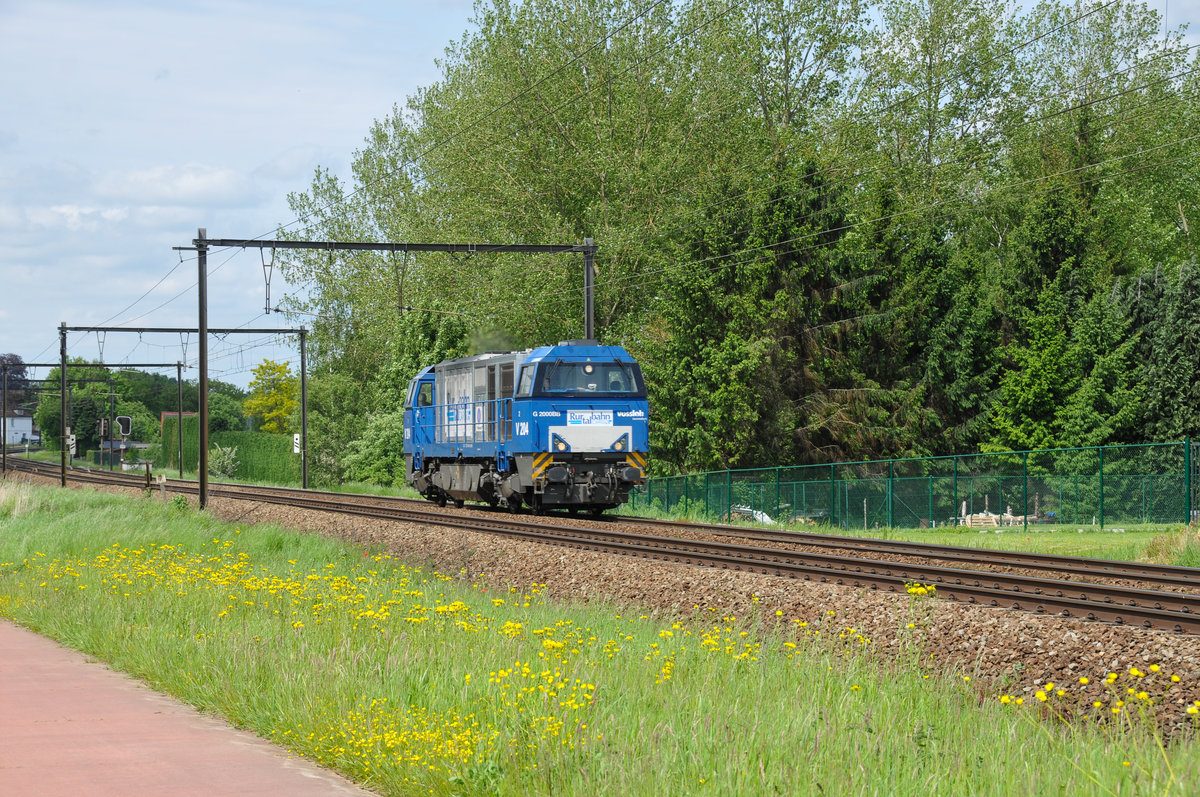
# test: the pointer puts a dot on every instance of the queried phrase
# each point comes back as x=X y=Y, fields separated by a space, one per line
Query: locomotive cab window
x=590 y=378
x=425 y=395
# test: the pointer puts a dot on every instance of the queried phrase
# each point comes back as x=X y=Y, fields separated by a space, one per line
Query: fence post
x=832 y=493
x=706 y=514
x=1077 y=497
x=958 y=520
x=931 y=520
x=776 y=513
x=728 y=496
x=891 y=492
x=685 y=494
x=1102 y=488
x=1187 y=481
x=1025 y=487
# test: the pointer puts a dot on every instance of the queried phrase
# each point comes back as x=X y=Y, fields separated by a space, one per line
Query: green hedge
x=168 y=455
x=261 y=457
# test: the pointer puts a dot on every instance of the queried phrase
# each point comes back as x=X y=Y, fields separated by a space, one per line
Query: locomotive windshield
x=560 y=378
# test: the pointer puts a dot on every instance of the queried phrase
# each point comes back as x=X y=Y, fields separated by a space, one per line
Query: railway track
x=1145 y=606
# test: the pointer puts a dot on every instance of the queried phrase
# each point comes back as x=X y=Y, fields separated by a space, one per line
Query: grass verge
x=408 y=680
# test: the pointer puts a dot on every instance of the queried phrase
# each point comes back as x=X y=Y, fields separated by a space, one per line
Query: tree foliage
x=828 y=230
x=274 y=397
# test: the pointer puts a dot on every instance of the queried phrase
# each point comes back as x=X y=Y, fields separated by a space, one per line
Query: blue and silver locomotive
x=555 y=427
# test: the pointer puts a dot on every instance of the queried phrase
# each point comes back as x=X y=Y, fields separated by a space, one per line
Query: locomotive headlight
x=621 y=443
x=558 y=444
x=620 y=446
x=561 y=446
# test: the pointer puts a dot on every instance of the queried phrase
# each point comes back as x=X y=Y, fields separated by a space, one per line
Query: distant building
x=19 y=428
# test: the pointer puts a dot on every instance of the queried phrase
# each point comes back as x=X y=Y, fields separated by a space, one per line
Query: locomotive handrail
x=488 y=421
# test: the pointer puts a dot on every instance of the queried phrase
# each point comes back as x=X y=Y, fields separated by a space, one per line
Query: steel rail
x=1152 y=609
x=1164 y=574
x=1155 y=609
x=1169 y=575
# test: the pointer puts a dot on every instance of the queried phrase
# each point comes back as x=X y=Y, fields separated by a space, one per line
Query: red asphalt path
x=71 y=726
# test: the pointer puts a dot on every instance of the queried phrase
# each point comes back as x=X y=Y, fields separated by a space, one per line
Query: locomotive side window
x=525 y=387
x=425 y=395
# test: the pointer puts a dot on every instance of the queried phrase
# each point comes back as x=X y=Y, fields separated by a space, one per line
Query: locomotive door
x=504 y=402
x=422 y=413
x=498 y=424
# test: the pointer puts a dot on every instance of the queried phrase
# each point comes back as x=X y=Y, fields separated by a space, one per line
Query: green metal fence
x=1104 y=486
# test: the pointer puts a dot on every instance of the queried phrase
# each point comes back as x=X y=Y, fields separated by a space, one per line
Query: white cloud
x=190 y=184
x=296 y=163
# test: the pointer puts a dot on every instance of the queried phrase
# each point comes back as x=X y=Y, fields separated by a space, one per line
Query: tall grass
x=409 y=680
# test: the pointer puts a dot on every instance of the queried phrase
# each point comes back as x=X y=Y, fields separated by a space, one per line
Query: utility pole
x=112 y=405
x=303 y=411
x=202 y=264
x=4 y=423
x=589 y=313
x=62 y=377
x=179 y=418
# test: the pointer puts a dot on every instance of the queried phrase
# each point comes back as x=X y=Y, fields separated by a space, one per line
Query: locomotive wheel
x=596 y=511
x=441 y=499
x=458 y=503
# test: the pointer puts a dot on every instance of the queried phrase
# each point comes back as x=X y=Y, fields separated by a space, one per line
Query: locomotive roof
x=482 y=358
x=583 y=349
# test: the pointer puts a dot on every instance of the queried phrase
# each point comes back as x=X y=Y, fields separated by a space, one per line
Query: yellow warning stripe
x=540 y=463
x=636 y=459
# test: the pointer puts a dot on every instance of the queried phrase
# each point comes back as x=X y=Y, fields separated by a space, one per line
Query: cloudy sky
x=125 y=126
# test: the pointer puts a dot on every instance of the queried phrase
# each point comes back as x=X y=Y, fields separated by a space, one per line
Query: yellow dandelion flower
x=1084 y=681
